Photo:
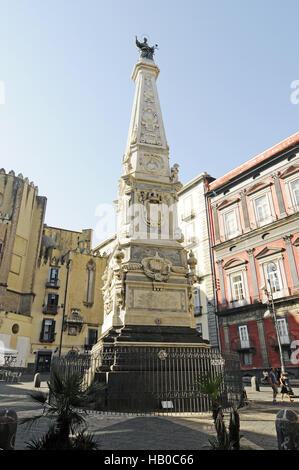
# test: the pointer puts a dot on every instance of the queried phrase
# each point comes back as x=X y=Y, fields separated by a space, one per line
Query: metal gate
x=156 y=379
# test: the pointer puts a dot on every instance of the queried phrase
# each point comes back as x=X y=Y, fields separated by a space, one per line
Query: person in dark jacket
x=284 y=389
x=274 y=383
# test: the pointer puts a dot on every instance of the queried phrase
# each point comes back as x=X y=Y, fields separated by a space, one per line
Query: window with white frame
x=262 y=205
x=274 y=279
x=291 y=184
x=238 y=290
x=283 y=331
x=247 y=358
x=262 y=209
x=51 y=303
x=199 y=328
x=244 y=337
x=273 y=276
x=48 y=330
x=196 y=300
x=53 y=276
x=294 y=192
x=187 y=207
x=190 y=233
x=237 y=287
x=230 y=224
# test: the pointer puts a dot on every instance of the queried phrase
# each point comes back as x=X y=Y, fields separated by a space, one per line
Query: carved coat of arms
x=157 y=268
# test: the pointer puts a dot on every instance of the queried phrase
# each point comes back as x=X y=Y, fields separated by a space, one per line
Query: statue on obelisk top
x=146 y=51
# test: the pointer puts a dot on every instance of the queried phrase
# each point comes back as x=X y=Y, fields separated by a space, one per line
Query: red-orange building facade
x=254 y=225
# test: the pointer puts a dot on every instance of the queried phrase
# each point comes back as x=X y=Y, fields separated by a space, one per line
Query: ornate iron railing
x=155 y=379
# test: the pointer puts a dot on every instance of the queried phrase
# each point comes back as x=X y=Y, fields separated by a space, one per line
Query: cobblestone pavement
x=168 y=432
x=258 y=419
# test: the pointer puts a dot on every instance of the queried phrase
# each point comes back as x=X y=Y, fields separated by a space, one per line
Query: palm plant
x=211 y=385
x=225 y=440
x=222 y=441
x=234 y=429
x=65 y=395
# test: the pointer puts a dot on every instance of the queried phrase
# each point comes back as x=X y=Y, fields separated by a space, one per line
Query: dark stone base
x=147 y=341
x=153 y=334
x=127 y=392
x=143 y=366
x=134 y=392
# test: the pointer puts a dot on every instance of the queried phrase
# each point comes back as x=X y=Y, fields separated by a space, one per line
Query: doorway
x=43 y=361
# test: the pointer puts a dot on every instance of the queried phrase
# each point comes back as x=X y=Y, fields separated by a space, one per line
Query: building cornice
x=249 y=307
x=258 y=306
x=194 y=182
x=255 y=232
x=265 y=158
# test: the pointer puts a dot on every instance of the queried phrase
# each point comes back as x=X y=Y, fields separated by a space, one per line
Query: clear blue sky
x=226 y=71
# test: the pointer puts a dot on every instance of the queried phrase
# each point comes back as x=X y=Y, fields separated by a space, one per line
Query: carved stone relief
x=132 y=266
x=127 y=166
x=141 y=298
x=148 y=96
x=152 y=163
x=150 y=133
x=176 y=257
x=157 y=268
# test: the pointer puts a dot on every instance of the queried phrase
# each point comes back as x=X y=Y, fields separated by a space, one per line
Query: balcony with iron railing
x=50 y=309
x=235 y=303
x=191 y=240
x=244 y=345
x=53 y=283
x=285 y=342
x=188 y=215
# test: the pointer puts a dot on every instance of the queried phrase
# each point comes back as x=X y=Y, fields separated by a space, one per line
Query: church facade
x=50 y=282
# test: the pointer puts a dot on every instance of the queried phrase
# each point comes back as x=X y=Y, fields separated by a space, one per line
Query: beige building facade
x=50 y=281
x=22 y=213
x=68 y=308
x=193 y=222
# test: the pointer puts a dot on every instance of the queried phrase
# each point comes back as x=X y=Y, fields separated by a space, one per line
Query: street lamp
x=269 y=295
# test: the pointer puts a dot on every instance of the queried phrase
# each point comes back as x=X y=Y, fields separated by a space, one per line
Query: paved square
x=168 y=432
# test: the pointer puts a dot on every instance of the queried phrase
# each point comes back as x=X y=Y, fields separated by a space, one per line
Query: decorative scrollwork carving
x=156 y=268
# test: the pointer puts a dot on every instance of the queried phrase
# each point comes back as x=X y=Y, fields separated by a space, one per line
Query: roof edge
x=284 y=144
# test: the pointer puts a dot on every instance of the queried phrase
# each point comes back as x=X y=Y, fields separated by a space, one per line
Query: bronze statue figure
x=145 y=50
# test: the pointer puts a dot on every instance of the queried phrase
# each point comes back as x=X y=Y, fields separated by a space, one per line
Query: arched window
x=90 y=280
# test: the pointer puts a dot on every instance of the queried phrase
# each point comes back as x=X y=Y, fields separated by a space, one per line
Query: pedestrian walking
x=265 y=376
x=284 y=388
x=278 y=374
x=274 y=383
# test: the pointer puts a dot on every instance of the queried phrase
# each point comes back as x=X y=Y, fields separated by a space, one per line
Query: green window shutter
x=41 y=338
x=52 y=331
